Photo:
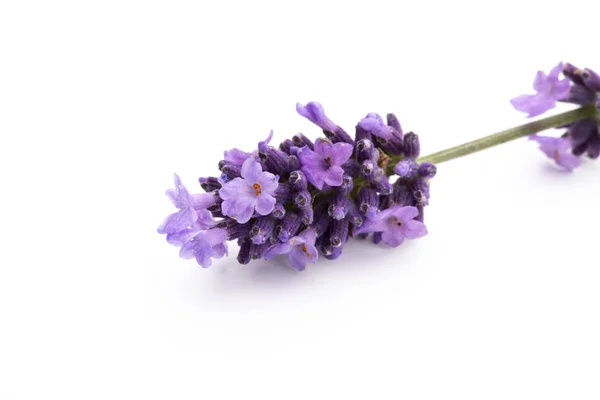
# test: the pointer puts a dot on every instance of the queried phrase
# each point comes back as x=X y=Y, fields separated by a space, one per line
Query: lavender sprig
x=307 y=198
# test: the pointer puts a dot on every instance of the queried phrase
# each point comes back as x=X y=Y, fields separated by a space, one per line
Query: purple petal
x=251 y=170
x=236 y=156
x=280 y=248
x=341 y=152
x=315 y=113
x=178 y=221
x=373 y=123
x=241 y=208
x=393 y=237
x=268 y=182
x=265 y=204
x=235 y=188
x=301 y=255
x=404 y=213
x=334 y=176
x=413 y=229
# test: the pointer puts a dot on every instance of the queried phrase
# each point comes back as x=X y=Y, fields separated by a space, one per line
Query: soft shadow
x=362 y=257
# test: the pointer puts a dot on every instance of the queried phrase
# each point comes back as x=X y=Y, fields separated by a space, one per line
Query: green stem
x=508 y=135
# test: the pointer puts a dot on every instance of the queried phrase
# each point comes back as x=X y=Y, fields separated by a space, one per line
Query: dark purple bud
x=339 y=232
x=283 y=192
x=347 y=184
x=339 y=135
x=368 y=201
x=593 y=150
x=303 y=199
x=334 y=254
x=580 y=95
x=262 y=230
x=362 y=134
x=243 y=256
x=299 y=140
x=365 y=150
x=216 y=206
x=298 y=180
x=234 y=230
x=209 y=184
x=573 y=73
x=278 y=211
x=285 y=146
x=339 y=206
x=581 y=131
x=368 y=169
x=407 y=169
x=229 y=169
x=377 y=237
x=393 y=122
x=321 y=220
x=421 y=216
x=394 y=145
x=420 y=191
x=351 y=168
x=579 y=150
x=288 y=227
x=591 y=80
x=257 y=250
x=275 y=161
x=307 y=216
x=427 y=170
x=402 y=195
x=382 y=184
x=412 y=147
x=294 y=163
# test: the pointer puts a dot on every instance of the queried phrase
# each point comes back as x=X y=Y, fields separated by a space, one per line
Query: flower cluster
x=306 y=198
x=579 y=86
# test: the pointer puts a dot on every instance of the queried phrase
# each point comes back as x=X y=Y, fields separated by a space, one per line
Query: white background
x=101 y=101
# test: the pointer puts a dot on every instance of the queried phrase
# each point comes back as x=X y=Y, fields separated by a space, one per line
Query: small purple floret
x=205 y=246
x=324 y=164
x=549 y=88
x=558 y=149
x=300 y=250
x=396 y=224
x=254 y=191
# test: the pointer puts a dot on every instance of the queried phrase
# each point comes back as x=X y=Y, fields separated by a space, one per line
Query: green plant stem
x=508 y=135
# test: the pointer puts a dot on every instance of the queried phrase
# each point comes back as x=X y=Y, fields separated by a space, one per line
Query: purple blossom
x=324 y=164
x=558 y=149
x=314 y=112
x=204 y=246
x=395 y=224
x=192 y=210
x=549 y=90
x=253 y=191
x=300 y=250
x=373 y=123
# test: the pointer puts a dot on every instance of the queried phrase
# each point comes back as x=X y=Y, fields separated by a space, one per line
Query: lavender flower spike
x=192 y=210
x=396 y=223
x=549 y=90
x=324 y=164
x=314 y=112
x=253 y=191
x=558 y=150
x=300 y=249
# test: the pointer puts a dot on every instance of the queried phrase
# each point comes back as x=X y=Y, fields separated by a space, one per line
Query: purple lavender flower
x=396 y=223
x=558 y=149
x=192 y=210
x=314 y=112
x=549 y=90
x=324 y=164
x=373 y=123
x=204 y=246
x=253 y=191
x=300 y=250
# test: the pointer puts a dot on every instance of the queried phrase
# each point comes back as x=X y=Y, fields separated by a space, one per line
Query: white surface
x=101 y=101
